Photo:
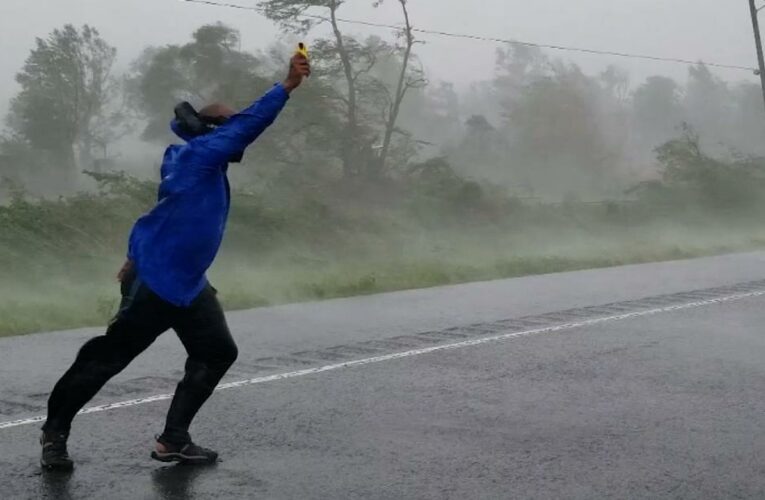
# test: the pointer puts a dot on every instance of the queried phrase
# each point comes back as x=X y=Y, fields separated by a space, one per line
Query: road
x=633 y=382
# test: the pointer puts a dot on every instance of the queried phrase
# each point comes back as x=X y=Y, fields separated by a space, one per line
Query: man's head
x=216 y=113
x=190 y=123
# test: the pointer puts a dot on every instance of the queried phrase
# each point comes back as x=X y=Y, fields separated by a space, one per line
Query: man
x=163 y=283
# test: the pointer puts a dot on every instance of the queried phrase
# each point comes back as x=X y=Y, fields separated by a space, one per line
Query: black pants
x=142 y=317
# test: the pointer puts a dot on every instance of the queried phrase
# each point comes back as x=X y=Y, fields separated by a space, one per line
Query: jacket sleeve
x=232 y=138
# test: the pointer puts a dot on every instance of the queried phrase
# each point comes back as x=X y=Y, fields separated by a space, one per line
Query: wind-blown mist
x=374 y=177
x=537 y=127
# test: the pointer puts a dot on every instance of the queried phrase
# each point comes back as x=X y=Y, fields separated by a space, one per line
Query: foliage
x=372 y=180
x=438 y=189
x=207 y=69
x=437 y=229
x=558 y=133
x=657 y=109
x=66 y=87
x=691 y=177
x=367 y=102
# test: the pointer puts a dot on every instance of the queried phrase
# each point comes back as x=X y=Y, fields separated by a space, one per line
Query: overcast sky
x=713 y=30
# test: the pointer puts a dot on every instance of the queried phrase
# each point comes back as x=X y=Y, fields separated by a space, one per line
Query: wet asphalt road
x=666 y=405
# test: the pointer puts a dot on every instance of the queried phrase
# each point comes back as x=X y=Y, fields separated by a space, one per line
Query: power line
x=464 y=36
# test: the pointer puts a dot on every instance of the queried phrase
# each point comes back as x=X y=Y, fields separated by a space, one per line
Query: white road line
x=404 y=354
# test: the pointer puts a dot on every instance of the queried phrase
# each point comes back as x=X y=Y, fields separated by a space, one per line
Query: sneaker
x=186 y=454
x=54 y=453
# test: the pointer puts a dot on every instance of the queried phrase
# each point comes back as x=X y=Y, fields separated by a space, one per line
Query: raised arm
x=230 y=139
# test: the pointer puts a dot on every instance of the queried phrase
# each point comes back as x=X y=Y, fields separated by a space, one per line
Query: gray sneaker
x=186 y=454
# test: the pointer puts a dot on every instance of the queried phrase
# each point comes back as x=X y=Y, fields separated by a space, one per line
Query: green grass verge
x=71 y=304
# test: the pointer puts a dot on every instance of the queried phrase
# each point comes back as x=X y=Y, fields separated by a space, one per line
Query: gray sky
x=713 y=30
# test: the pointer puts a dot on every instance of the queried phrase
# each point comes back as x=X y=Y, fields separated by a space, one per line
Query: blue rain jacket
x=174 y=244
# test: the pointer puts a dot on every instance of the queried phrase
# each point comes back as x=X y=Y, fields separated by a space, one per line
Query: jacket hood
x=175 y=126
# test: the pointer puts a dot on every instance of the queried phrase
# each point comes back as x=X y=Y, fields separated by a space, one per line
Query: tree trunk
x=349 y=156
x=398 y=97
x=67 y=172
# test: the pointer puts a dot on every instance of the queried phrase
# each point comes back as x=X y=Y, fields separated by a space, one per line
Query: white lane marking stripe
x=404 y=354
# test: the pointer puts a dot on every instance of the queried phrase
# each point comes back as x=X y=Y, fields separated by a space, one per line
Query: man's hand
x=299 y=68
x=127 y=267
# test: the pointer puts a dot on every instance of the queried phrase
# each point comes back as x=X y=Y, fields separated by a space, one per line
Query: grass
x=58 y=257
x=74 y=299
x=312 y=237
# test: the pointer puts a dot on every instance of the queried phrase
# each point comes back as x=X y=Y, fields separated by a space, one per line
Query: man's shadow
x=176 y=482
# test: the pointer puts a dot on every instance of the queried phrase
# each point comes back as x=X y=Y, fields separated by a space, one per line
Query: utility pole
x=758 y=42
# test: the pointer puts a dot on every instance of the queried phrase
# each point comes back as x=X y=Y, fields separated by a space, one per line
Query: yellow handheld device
x=302 y=50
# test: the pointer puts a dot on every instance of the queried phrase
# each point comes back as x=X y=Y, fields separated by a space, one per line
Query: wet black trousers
x=142 y=317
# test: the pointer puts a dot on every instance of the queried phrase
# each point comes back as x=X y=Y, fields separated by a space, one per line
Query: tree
x=517 y=66
x=749 y=123
x=481 y=152
x=360 y=100
x=344 y=59
x=708 y=104
x=558 y=144
x=434 y=116
x=657 y=111
x=692 y=177
x=616 y=82
x=407 y=80
x=482 y=98
x=66 y=86
x=309 y=134
x=288 y=13
x=209 y=68
x=445 y=102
